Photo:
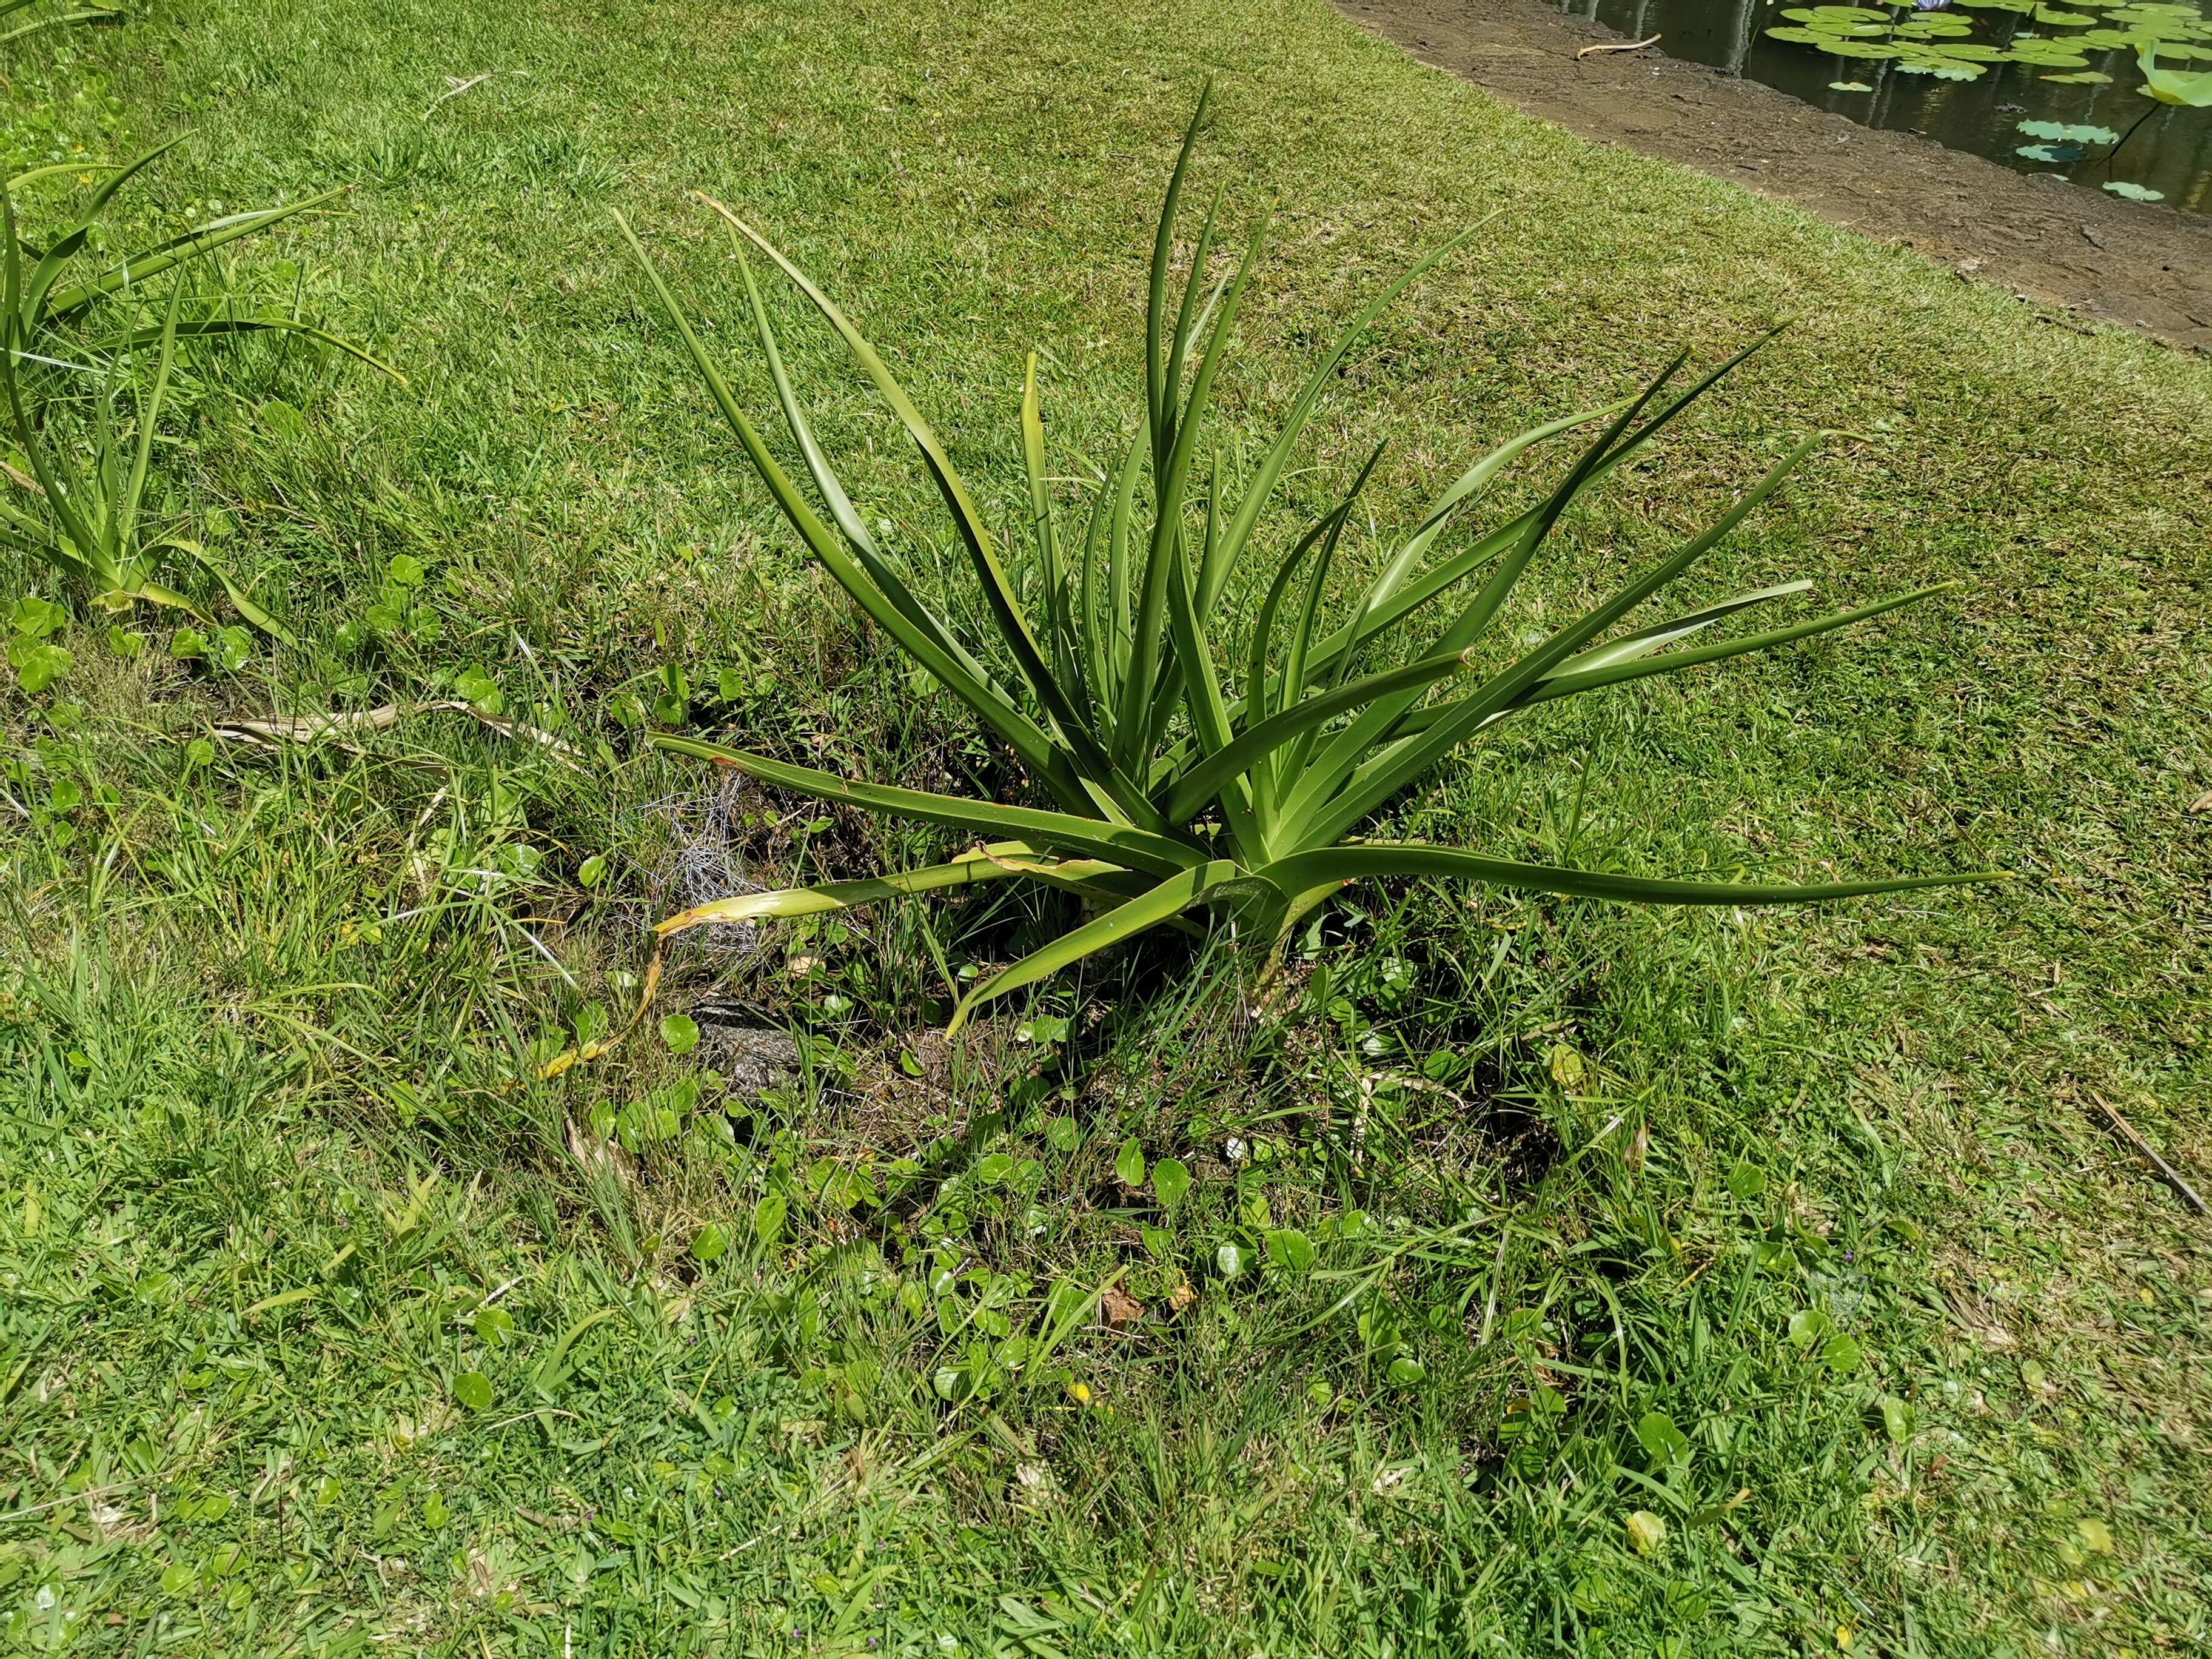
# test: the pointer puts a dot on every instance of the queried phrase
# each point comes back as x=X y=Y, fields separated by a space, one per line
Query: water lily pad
x=2050 y=54
x=2054 y=154
x=1873 y=51
x=2072 y=131
x=2062 y=20
x=2080 y=78
x=2126 y=191
x=2139 y=26
x=1942 y=69
x=1849 y=85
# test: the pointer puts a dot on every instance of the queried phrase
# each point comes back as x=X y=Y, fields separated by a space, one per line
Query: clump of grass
x=80 y=508
x=1170 y=790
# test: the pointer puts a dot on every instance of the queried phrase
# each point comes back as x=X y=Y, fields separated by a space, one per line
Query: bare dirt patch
x=2144 y=267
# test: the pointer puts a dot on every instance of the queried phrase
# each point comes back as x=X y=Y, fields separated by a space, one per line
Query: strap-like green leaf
x=918 y=641
x=1065 y=663
x=178 y=250
x=998 y=592
x=1341 y=759
x=1260 y=487
x=1659 y=635
x=1468 y=488
x=210 y=328
x=240 y=600
x=1159 y=390
x=1395 y=767
x=1116 y=843
x=1146 y=677
x=1197 y=786
x=1168 y=900
x=1567 y=680
x=842 y=513
x=1382 y=860
x=1461 y=564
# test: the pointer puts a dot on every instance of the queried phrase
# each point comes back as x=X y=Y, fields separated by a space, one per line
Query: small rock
x=752 y=1059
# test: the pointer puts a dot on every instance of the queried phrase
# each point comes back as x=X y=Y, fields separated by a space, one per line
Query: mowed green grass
x=329 y=1328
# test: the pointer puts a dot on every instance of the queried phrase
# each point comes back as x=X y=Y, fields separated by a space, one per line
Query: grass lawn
x=326 y=1326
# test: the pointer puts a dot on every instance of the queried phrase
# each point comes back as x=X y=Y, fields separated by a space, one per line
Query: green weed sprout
x=1172 y=789
x=12 y=32
x=83 y=518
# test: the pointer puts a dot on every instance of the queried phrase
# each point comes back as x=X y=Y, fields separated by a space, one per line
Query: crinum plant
x=1181 y=777
x=85 y=431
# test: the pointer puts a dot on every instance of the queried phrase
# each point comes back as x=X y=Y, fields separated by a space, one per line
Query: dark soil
x=2140 y=265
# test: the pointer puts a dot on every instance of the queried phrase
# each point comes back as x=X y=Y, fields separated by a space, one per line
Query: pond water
x=2023 y=82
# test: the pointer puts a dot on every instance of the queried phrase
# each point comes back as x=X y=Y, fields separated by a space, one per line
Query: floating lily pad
x=2081 y=78
x=1849 y=85
x=2073 y=131
x=2050 y=54
x=1818 y=15
x=2156 y=26
x=2062 y=20
x=2056 y=154
x=1941 y=69
x=2126 y=191
x=1873 y=51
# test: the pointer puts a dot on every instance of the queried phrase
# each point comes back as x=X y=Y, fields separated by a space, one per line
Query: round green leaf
x=1808 y=1325
x=767 y=1218
x=1129 y=1164
x=680 y=1032
x=473 y=1390
x=709 y=1243
x=1290 y=1249
x=1170 y=1180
